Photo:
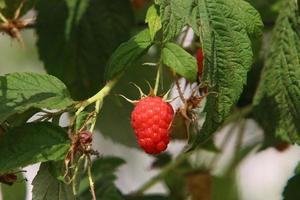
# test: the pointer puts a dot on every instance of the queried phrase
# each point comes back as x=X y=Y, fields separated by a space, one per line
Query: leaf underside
x=277 y=100
x=226 y=40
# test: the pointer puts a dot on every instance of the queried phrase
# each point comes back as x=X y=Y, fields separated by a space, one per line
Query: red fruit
x=151 y=120
x=200 y=61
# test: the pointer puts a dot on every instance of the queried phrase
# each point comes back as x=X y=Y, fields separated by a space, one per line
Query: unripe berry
x=85 y=137
x=151 y=120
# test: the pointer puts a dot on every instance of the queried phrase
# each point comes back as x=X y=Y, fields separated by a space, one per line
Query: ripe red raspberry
x=200 y=62
x=151 y=120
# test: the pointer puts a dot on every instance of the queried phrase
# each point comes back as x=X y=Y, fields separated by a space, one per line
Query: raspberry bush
x=211 y=60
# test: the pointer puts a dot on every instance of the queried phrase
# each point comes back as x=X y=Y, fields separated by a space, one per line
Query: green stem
x=77 y=174
x=99 y=96
x=158 y=74
x=162 y=174
x=90 y=177
x=98 y=106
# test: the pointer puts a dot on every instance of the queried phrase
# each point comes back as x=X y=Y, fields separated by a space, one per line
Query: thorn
x=151 y=91
x=129 y=100
x=170 y=100
x=149 y=64
x=19 y=38
x=18 y=11
x=165 y=97
x=140 y=90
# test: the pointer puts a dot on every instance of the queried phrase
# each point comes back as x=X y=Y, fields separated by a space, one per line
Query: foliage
x=291 y=190
x=225 y=37
x=32 y=143
x=75 y=43
x=278 y=94
x=45 y=186
x=92 y=49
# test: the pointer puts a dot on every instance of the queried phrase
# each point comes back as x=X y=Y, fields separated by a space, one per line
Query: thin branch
x=99 y=96
x=179 y=91
x=158 y=74
x=153 y=181
x=90 y=177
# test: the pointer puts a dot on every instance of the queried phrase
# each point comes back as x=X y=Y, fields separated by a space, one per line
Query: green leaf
x=268 y=9
x=250 y=18
x=103 y=175
x=20 y=119
x=180 y=61
x=76 y=38
x=174 y=15
x=22 y=91
x=225 y=37
x=32 y=143
x=128 y=53
x=46 y=186
x=81 y=120
x=17 y=191
x=277 y=100
x=291 y=190
x=153 y=20
x=225 y=188
x=175 y=182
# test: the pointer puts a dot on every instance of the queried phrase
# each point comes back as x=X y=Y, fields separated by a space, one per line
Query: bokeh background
x=261 y=175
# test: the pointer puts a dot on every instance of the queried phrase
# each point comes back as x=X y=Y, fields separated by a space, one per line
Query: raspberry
x=151 y=120
x=200 y=62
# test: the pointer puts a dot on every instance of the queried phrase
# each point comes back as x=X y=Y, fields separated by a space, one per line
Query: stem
x=98 y=106
x=157 y=78
x=179 y=91
x=99 y=96
x=76 y=174
x=161 y=175
x=90 y=176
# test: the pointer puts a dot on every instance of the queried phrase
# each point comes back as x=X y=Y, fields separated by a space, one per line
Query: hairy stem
x=153 y=181
x=90 y=176
x=158 y=76
x=179 y=91
x=99 y=96
x=98 y=106
x=77 y=172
